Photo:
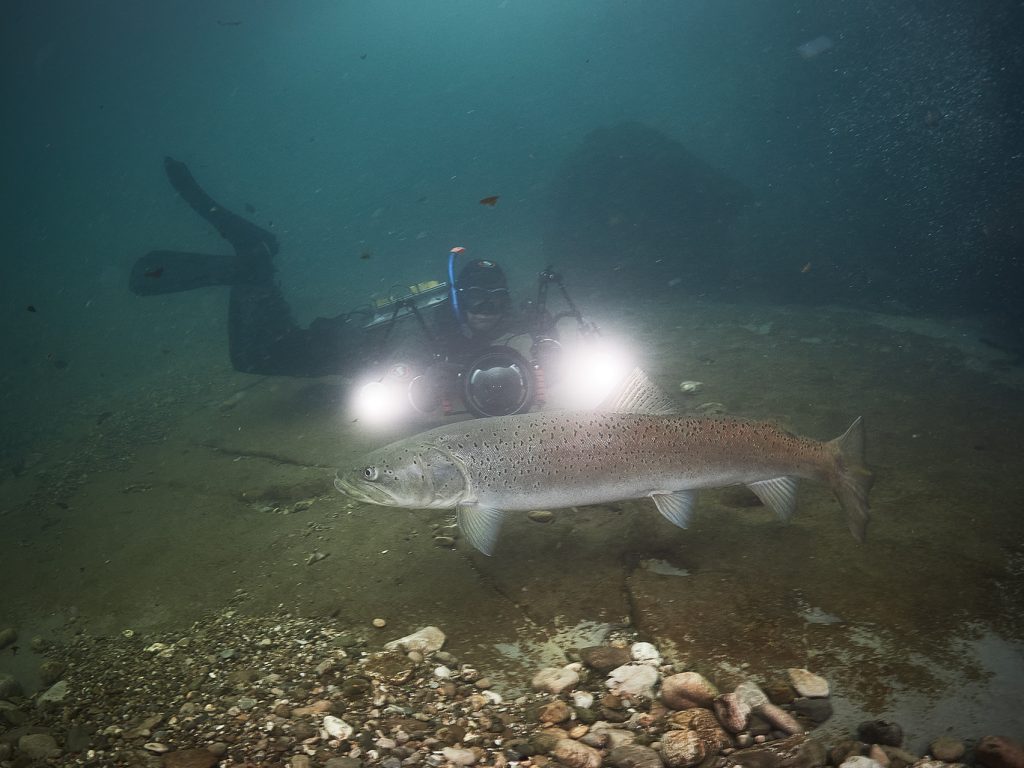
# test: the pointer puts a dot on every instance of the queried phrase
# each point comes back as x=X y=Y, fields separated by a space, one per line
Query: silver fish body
x=566 y=458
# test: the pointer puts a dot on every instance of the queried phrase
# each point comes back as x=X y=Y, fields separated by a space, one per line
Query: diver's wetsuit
x=263 y=336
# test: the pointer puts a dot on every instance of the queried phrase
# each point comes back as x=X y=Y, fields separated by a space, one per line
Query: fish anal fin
x=676 y=506
x=480 y=525
x=778 y=494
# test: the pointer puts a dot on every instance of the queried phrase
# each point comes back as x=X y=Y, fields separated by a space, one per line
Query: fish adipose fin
x=778 y=494
x=638 y=394
x=480 y=525
x=676 y=507
x=851 y=480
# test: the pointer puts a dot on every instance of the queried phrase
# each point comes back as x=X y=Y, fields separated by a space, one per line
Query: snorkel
x=453 y=290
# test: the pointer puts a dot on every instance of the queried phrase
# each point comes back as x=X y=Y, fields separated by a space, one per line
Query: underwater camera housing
x=496 y=380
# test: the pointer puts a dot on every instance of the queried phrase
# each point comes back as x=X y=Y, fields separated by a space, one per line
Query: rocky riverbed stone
x=9 y=686
x=880 y=732
x=634 y=756
x=189 y=758
x=807 y=683
x=604 y=658
x=687 y=689
x=425 y=641
x=575 y=754
x=633 y=680
x=556 y=679
x=38 y=746
x=999 y=752
x=947 y=749
x=8 y=636
x=682 y=749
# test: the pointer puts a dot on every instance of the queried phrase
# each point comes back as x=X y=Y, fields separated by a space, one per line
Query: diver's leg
x=264 y=338
x=172 y=271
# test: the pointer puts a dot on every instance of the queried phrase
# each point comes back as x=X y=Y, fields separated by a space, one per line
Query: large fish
x=485 y=467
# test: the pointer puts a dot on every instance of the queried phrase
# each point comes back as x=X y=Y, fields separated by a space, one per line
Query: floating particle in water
x=815 y=47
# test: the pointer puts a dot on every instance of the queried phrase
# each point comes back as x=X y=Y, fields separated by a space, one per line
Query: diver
x=263 y=336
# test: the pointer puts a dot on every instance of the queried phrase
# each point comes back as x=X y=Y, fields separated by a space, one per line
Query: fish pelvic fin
x=851 y=479
x=676 y=507
x=778 y=494
x=480 y=525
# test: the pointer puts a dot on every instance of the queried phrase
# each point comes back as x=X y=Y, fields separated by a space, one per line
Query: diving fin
x=172 y=271
x=247 y=238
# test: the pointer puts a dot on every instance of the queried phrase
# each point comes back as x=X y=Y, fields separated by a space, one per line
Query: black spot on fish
x=103 y=417
x=250 y=208
x=31 y=308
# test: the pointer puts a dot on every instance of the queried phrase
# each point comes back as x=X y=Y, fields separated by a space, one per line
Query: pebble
x=860 y=761
x=818 y=710
x=687 y=689
x=604 y=658
x=424 y=641
x=379 y=623
x=55 y=693
x=556 y=711
x=880 y=756
x=555 y=679
x=807 y=683
x=682 y=749
x=458 y=756
x=337 y=728
x=645 y=653
x=9 y=686
x=38 y=746
x=732 y=712
x=633 y=680
x=947 y=749
x=634 y=756
x=880 y=732
x=156 y=747
x=8 y=636
x=541 y=516
x=190 y=758
x=999 y=752
x=575 y=754
x=751 y=694
x=583 y=699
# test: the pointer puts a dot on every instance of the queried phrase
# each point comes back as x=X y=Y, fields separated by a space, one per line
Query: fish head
x=406 y=474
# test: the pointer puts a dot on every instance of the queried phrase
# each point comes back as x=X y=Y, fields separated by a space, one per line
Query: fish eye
x=370 y=473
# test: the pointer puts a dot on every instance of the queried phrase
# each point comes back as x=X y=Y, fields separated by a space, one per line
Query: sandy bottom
x=189 y=500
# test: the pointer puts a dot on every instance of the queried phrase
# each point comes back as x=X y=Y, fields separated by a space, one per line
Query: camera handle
x=546 y=325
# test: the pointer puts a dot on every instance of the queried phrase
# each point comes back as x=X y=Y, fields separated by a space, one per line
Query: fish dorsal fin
x=480 y=525
x=638 y=394
x=779 y=494
x=676 y=506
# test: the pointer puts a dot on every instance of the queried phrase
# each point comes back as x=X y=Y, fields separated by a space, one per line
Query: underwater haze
x=877 y=142
x=801 y=211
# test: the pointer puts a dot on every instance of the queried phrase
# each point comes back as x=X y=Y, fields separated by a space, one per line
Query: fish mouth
x=362 y=491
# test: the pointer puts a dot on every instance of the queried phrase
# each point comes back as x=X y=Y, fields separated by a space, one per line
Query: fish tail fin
x=851 y=480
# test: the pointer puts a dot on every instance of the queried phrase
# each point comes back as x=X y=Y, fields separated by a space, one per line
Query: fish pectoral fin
x=676 y=507
x=480 y=525
x=778 y=494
